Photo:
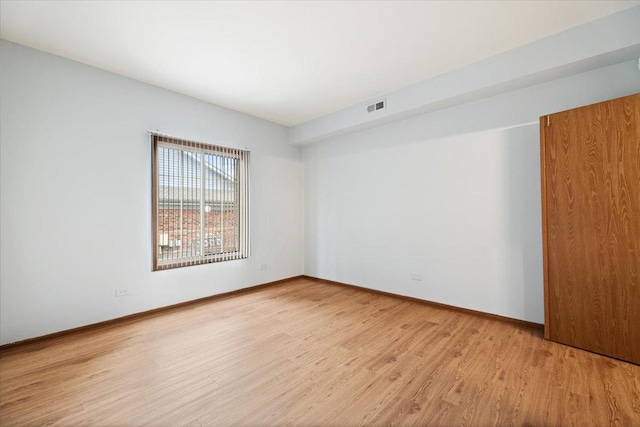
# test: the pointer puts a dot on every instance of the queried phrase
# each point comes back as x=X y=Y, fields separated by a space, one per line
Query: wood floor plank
x=310 y=353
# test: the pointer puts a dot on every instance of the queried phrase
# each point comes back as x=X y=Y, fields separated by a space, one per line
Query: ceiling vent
x=379 y=105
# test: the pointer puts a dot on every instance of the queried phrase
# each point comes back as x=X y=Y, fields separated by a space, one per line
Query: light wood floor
x=311 y=353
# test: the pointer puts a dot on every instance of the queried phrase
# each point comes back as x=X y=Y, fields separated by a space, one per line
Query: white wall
x=76 y=205
x=453 y=195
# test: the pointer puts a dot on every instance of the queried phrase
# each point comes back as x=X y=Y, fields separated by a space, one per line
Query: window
x=200 y=203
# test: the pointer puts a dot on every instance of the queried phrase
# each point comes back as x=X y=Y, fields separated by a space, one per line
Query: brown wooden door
x=591 y=226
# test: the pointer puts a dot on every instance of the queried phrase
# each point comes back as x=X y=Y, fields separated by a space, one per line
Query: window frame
x=241 y=193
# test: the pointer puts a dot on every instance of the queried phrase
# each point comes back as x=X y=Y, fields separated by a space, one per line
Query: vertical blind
x=200 y=202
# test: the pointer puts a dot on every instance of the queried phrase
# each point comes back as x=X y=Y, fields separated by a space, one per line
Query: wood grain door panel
x=591 y=215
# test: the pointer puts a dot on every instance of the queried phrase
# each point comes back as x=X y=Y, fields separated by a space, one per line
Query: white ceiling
x=287 y=62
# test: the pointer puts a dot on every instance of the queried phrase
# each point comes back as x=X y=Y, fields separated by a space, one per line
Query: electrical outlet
x=122 y=292
x=263 y=266
x=416 y=276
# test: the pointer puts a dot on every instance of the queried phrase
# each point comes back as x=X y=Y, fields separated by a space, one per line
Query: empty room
x=319 y=213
